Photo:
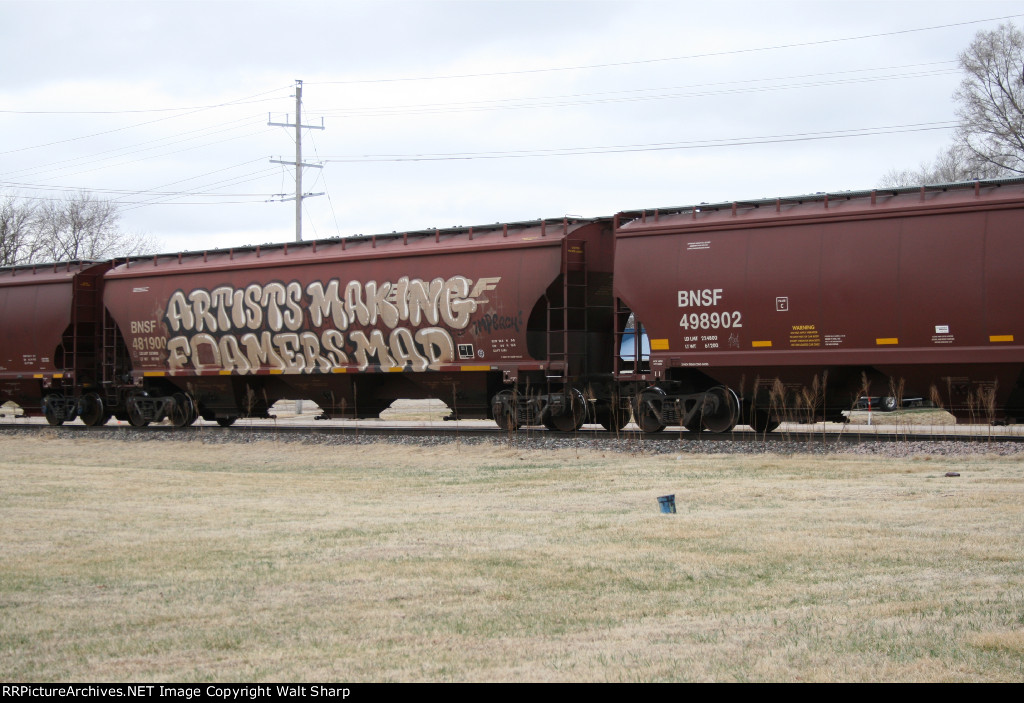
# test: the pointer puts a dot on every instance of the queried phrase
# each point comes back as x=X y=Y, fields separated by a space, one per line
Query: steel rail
x=839 y=434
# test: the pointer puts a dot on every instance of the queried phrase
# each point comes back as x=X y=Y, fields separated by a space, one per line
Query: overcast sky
x=163 y=106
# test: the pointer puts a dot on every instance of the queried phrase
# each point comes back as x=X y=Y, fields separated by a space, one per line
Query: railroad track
x=339 y=431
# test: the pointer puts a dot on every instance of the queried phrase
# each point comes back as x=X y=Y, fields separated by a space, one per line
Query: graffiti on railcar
x=322 y=326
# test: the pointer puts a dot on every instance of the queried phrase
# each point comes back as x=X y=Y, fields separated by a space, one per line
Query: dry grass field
x=187 y=561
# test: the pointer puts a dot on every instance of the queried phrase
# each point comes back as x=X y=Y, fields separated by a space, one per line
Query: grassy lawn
x=186 y=561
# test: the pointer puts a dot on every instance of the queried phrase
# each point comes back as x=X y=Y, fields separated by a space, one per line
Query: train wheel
x=763 y=421
x=566 y=423
x=51 y=418
x=645 y=410
x=226 y=421
x=135 y=418
x=611 y=418
x=506 y=421
x=134 y=412
x=721 y=410
x=573 y=420
x=184 y=413
x=503 y=410
x=92 y=411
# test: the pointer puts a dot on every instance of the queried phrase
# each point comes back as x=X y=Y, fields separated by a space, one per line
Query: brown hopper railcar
x=51 y=340
x=796 y=308
x=508 y=322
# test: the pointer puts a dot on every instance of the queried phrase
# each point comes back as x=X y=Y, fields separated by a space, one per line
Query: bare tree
x=951 y=165
x=991 y=99
x=83 y=226
x=16 y=231
x=989 y=141
x=79 y=227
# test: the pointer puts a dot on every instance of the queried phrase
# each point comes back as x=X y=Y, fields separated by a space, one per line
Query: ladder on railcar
x=567 y=324
x=110 y=337
x=80 y=349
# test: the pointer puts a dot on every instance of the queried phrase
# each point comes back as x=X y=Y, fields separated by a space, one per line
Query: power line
x=135 y=111
x=134 y=206
x=677 y=87
x=615 y=96
x=327 y=192
x=239 y=180
x=465 y=156
x=131 y=126
x=212 y=189
x=162 y=142
x=710 y=54
x=208 y=173
x=120 y=191
x=661 y=146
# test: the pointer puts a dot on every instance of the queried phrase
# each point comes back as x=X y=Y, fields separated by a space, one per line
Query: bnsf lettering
x=143 y=326
x=708 y=320
x=705 y=297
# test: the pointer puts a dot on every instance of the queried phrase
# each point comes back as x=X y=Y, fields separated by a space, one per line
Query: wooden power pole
x=299 y=195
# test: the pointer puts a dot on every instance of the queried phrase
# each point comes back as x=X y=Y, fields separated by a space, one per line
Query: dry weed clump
x=185 y=561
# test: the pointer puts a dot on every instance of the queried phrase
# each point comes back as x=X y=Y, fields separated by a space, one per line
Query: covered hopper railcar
x=504 y=322
x=52 y=340
x=772 y=310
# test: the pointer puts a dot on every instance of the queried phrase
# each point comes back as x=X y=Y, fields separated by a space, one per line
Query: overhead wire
x=117 y=152
x=660 y=146
x=56 y=198
x=206 y=190
x=327 y=191
x=210 y=173
x=239 y=180
x=636 y=62
x=138 y=110
x=203 y=145
x=632 y=94
x=223 y=183
x=123 y=192
x=132 y=126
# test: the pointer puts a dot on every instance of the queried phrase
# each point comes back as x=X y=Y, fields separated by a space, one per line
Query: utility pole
x=299 y=195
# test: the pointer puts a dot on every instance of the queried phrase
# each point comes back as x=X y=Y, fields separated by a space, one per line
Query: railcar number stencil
x=714 y=320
